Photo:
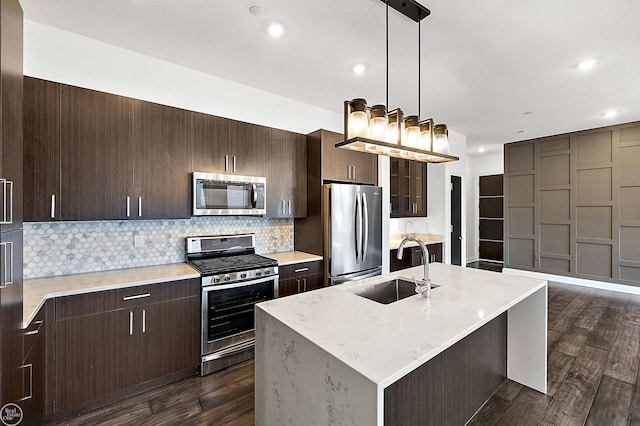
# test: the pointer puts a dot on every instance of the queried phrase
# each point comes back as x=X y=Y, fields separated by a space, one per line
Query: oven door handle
x=216 y=287
x=230 y=351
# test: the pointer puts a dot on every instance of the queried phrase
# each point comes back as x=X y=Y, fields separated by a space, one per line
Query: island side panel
x=527 y=341
x=452 y=386
x=298 y=383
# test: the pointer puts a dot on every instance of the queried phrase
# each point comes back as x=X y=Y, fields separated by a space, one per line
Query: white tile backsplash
x=63 y=248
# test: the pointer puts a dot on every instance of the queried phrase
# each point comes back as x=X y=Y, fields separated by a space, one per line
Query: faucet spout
x=425 y=288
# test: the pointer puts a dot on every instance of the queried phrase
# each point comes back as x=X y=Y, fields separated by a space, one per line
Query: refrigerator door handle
x=358 y=228
x=365 y=220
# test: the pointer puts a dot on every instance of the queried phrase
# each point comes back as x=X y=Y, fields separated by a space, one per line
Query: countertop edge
x=284 y=259
x=61 y=293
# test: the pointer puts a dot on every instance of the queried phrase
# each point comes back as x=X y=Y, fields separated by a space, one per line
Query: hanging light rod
x=377 y=130
x=409 y=8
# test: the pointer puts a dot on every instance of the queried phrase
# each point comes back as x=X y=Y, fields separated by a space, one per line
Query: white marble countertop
x=385 y=342
x=396 y=239
x=37 y=291
x=292 y=257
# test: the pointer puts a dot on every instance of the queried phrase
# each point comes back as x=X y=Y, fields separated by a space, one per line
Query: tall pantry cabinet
x=12 y=389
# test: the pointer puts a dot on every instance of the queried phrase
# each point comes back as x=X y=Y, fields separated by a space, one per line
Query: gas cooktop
x=232 y=263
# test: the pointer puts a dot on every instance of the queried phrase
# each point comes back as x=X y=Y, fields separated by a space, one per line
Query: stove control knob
x=227 y=277
x=216 y=279
x=267 y=271
x=258 y=273
x=243 y=275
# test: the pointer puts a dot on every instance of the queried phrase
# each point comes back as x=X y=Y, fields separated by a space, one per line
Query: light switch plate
x=138 y=240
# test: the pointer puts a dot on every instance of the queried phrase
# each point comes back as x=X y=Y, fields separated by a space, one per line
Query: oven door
x=228 y=312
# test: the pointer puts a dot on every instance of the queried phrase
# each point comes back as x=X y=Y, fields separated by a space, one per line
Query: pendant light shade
x=376 y=130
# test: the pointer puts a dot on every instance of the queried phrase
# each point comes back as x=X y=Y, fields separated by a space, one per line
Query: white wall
x=490 y=164
x=64 y=57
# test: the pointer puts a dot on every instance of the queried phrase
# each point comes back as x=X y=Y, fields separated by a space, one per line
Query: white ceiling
x=484 y=63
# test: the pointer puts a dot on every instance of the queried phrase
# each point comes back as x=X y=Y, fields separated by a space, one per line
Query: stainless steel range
x=234 y=279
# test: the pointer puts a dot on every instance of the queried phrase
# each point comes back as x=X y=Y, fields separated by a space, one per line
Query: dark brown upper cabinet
x=408 y=188
x=343 y=165
x=162 y=161
x=222 y=145
x=286 y=172
x=96 y=155
x=41 y=150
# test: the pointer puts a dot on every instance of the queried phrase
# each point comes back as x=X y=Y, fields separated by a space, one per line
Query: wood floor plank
x=592 y=313
x=623 y=359
x=573 y=399
x=604 y=335
x=572 y=341
x=558 y=367
x=611 y=404
x=178 y=414
x=508 y=390
x=528 y=408
x=566 y=318
x=553 y=337
x=634 y=416
x=490 y=413
x=632 y=310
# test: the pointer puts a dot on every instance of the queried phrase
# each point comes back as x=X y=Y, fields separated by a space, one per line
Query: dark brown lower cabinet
x=113 y=349
x=413 y=256
x=33 y=369
x=299 y=277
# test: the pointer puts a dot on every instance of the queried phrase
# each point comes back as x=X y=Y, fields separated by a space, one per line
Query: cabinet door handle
x=234 y=164
x=38 y=324
x=301 y=270
x=6 y=259
x=128 y=206
x=298 y=282
x=53 y=206
x=354 y=173
x=7 y=202
x=304 y=280
x=283 y=207
x=130 y=323
x=30 y=367
x=144 y=320
x=139 y=206
x=289 y=202
x=137 y=296
x=226 y=163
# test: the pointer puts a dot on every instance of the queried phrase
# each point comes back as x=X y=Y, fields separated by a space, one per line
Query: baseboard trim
x=575 y=281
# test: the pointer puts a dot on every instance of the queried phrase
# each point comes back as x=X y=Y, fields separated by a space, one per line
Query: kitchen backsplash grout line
x=65 y=248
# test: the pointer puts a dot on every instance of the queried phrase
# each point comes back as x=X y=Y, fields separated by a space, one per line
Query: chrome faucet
x=425 y=287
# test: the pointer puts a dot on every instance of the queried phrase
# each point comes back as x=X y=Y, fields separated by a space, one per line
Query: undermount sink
x=388 y=291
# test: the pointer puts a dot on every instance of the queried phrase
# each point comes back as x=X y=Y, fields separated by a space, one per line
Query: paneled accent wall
x=572 y=204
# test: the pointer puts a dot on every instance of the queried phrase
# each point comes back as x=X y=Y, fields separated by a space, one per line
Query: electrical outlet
x=138 y=241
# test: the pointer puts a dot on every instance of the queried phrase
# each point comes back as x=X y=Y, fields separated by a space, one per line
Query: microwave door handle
x=254 y=196
x=365 y=219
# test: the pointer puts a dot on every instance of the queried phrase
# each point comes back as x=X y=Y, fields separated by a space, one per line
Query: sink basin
x=388 y=291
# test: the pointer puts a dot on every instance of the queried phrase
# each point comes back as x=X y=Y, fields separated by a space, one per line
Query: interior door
x=456 y=220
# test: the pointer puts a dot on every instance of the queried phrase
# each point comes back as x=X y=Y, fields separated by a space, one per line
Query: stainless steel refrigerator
x=353 y=232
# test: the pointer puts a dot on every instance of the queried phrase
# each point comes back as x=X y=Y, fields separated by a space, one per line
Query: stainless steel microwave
x=220 y=194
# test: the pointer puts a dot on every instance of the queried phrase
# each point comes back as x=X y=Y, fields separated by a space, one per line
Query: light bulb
x=441 y=139
x=358 y=120
x=378 y=123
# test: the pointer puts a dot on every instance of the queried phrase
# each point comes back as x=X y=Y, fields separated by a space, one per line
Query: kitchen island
x=333 y=357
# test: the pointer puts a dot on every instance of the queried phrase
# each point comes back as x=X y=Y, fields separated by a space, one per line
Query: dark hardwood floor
x=484 y=264
x=593 y=353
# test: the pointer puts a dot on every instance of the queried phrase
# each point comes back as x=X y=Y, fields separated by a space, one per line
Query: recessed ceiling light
x=275 y=29
x=527 y=113
x=255 y=10
x=522 y=131
x=587 y=65
x=610 y=114
x=481 y=149
x=359 y=68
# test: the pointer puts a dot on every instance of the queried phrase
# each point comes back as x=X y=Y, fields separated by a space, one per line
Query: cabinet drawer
x=300 y=269
x=110 y=300
x=35 y=330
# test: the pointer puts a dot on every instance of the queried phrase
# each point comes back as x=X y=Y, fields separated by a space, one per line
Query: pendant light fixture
x=379 y=131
